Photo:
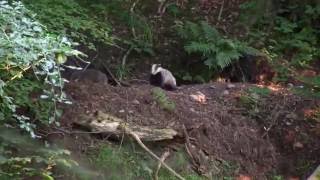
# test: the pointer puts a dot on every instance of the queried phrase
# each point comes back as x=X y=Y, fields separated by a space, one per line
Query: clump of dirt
x=215 y=128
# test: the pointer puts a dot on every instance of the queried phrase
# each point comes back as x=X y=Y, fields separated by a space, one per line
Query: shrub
x=289 y=31
x=75 y=21
x=30 y=61
x=217 y=51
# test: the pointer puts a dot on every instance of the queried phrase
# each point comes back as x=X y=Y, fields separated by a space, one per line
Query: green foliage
x=311 y=87
x=132 y=163
x=277 y=177
x=259 y=91
x=289 y=31
x=163 y=100
x=29 y=62
x=70 y=18
x=211 y=51
x=217 y=51
x=251 y=99
x=122 y=72
x=121 y=164
x=127 y=16
x=22 y=157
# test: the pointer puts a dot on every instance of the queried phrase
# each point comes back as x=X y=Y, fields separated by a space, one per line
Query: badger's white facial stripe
x=153 y=68
x=156 y=69
x=159 y=69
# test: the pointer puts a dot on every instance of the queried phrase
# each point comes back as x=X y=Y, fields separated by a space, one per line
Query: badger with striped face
x=162 y=77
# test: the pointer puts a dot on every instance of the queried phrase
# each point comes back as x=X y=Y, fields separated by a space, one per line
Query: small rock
x=121 y=111
x=130 y=112
x=225 y=92
x=230 y=86
x=136 y=102
x=213 y=87
x=298 y=145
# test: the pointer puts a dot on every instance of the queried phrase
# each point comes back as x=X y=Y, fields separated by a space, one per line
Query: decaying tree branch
x=106 y=123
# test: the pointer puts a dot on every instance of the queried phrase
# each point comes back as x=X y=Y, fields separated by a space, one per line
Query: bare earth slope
x=220 y=129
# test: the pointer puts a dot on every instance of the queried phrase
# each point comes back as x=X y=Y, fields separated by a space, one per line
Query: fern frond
x=210 y=33
x=193 y=29
x=211 y=62
x=225 y=58
x=219 y=52
x=199 y=47
x=243 y=48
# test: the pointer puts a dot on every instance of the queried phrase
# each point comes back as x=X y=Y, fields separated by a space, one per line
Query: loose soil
x=221 y=129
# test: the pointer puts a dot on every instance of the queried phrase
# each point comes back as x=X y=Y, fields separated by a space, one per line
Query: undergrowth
x=289 y=31
x=161 y=98
x=215 y=51
x=22 y=157
x=251 y=100
x=31 y=61
x=77 y=22
x=130 y=163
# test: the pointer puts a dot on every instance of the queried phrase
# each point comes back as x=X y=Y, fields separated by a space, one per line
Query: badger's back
x=168 y=80
x=89 y=75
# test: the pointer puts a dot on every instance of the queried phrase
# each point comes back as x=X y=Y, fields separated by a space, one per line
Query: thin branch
x=136 y=137
x=274 y=117
x=93 y=59
x=124 y=58
x=163 y=158
x=220 y=12
x=131 y=12
x=112 y=76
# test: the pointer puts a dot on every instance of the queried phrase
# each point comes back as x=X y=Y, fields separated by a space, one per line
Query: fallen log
x=108 y=124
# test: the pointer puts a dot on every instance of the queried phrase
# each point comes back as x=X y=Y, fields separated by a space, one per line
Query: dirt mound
x=215 y=128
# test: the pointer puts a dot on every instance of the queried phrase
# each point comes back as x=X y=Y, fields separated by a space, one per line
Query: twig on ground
x=187 y=145
x=274 y=117
x=220 y=12
x=163 y=158
x=136 y=137
x=124 y=58
x=111 y=75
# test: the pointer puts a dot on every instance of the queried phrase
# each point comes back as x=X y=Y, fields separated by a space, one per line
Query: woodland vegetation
x=273 y=44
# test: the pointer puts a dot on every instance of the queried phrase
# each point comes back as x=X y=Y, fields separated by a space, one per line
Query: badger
x=162 y=77
x=91 y=75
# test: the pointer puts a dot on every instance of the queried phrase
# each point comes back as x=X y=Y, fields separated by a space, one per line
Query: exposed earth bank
x=262 y=131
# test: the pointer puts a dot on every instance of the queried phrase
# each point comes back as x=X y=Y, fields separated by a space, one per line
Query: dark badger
x=162 y=77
